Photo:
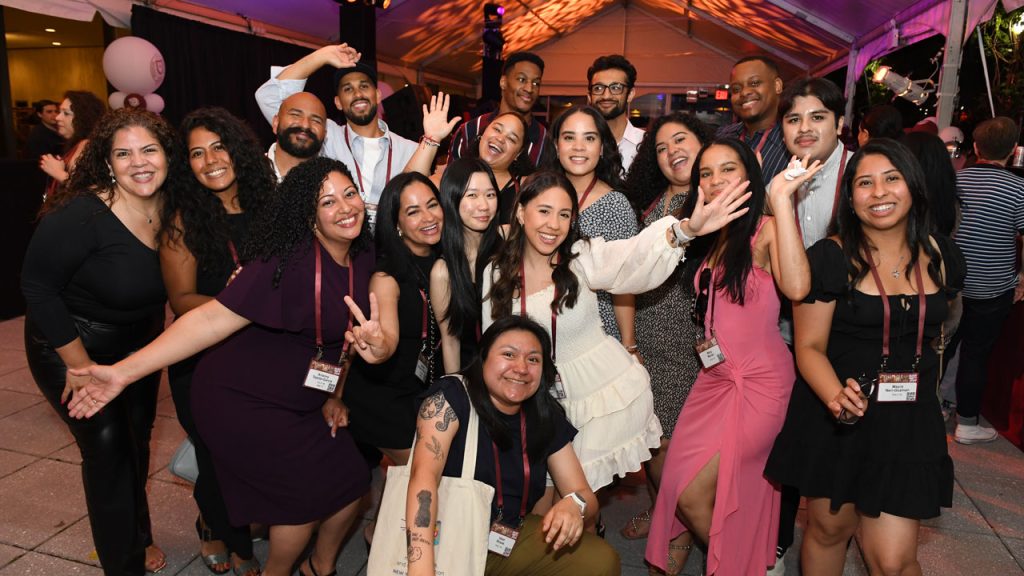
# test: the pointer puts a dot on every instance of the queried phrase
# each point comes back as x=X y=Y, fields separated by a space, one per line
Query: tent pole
x=984 y=67
x=850 y=90
x=949 y=77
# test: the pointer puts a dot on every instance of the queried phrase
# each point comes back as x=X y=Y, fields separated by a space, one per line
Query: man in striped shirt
x=993 y=219
x=755 y=86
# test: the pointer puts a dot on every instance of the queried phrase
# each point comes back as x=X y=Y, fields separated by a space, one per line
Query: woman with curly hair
x=469 y=198
x=502 y=145
x=543 y=271
x=91 y=280
x=222 y=182
x=79 y=113
x=589 y=157
x=657 y=185
x=262 y=396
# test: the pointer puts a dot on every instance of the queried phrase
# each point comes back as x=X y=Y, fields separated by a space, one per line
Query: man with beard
x=520 y=86
x=370 y=151
x=299 y=124
x=754 y=86
x=610 y=89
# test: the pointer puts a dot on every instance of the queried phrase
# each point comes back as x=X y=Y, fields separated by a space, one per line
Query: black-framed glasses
x=616 y=88
x=700 y=303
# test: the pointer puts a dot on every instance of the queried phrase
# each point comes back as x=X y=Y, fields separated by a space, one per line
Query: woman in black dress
x=264 y=408
x=224 y=179
x=92 y=283
x=863 y=438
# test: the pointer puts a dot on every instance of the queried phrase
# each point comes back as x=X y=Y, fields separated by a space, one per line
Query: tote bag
x=463 y=519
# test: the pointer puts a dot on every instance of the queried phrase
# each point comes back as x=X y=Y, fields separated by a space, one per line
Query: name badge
x=323 y=376
x=371 y=214
x=557 y=388
x=502 y=539
x=897 y=387
x=710 y=352
x=423 y=366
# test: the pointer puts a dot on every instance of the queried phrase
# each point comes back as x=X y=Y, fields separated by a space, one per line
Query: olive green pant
x=531 y=555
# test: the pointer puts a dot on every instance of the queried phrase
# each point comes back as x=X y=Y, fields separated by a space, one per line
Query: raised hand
x=436 y=125
x=368 y=337
x=782 y=188
x=710 y=217
x=105 y=383
x=339 y=55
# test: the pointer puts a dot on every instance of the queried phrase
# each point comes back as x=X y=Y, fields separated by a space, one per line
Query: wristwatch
x=579 y=501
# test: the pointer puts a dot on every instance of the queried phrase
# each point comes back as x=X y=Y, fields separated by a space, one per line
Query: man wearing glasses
x=610 y=89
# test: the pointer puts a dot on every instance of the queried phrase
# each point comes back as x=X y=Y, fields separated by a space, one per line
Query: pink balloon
x=154 y=103
x=133 y=65
x=116 y=100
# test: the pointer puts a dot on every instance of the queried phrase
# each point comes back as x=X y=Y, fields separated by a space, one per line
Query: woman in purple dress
x=259 y=400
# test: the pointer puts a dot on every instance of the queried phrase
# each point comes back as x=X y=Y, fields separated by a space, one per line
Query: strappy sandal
x=154 y=566
x=638 y=527
x=673 y=566
x=217 y=558
x=250 y=567
x=312 y=569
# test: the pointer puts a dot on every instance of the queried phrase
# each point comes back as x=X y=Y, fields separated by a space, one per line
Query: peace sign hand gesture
x=367 y=338
x=436 y=125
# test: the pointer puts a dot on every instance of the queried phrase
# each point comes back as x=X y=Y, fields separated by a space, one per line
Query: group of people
x=735 y=313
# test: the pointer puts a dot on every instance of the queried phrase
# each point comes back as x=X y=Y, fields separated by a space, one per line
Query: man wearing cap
x=300 y=124
x=372 y=152
x=520 y=86
x=754 y=88
x=610 y=89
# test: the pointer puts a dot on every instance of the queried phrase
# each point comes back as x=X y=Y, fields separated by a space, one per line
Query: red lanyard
x=922 y=307
x=835 y=200
x=586 y=193
x=423 y=332
x=234 y=253
x=359 y=171
x=651 y=208
x=710 y=323
x=316 y=301
x=526 y=470
x=522 y=307
x=764 y=138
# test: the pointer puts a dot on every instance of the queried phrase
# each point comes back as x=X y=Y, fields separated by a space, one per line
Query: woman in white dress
x=605 y=391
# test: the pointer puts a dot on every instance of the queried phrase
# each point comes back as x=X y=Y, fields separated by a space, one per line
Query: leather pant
x=114 y=443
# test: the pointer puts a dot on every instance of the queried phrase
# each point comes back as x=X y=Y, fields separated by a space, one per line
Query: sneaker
x=780 y=566
x=974 y=434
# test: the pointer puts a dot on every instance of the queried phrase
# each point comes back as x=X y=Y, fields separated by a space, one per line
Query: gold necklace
x=149 y=219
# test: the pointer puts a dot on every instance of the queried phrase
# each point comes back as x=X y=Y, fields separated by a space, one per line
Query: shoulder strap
x=472 y=434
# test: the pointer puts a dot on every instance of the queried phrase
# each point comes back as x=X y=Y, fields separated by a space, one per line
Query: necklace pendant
x=896 y=274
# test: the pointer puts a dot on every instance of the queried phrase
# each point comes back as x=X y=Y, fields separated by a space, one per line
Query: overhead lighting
x=916 y=91
x=1018 y=26
x=55 y=43
x=49 y=30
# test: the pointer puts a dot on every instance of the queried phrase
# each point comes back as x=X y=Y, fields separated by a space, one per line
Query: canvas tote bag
x=463 y=519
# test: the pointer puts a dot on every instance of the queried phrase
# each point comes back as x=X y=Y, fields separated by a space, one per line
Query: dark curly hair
x=505 y=279
x=285 y=225
x=645 y=181
x=92 y=170
x=87 y=109
x=203 y=220
x=609 y=165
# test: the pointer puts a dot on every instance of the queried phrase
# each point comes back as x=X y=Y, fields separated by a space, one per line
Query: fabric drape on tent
x=114 y=12
x=210 y=66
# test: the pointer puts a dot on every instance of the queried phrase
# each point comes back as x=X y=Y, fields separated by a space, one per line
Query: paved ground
x=44 y=529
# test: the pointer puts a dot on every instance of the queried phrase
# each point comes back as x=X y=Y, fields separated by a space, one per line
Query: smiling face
x=578 y=145
x=479 y=204
x=66 y=119
x=676 y=146
x=420 y=218
x=339 y=210
x=520 y=86
x=720 y=166
x=357 y=98
x=502 y=141
x=880 y=195
x=210 y=161
x=546 y=220
x=512 y=369
x=300 y=125
x=610 y=105
x=754 y=90
x=137 y=161
x=811 y=128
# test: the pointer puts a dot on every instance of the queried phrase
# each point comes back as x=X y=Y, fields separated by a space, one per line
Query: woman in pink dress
x=714 y=472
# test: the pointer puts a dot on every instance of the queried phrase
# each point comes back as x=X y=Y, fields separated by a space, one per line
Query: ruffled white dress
x=608 y=392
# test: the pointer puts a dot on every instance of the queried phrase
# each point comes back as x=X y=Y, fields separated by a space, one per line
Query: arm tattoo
x=449 y=417
x=435 y=448
x=432 y=405
x=423 y=512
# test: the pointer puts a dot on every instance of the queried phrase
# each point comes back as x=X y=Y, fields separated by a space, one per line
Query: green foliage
x=1004 y=49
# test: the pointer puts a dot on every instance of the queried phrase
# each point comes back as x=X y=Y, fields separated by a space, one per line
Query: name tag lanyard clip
x=316 y=303
x=922 y=308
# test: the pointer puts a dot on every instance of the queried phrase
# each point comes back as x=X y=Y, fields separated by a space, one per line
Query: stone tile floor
x=44 y=529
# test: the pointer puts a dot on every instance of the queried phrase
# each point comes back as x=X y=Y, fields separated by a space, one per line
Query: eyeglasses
x=615 y=88
x=699 y=308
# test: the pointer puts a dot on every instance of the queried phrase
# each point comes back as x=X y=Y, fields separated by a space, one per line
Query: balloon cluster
x=136 y=68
